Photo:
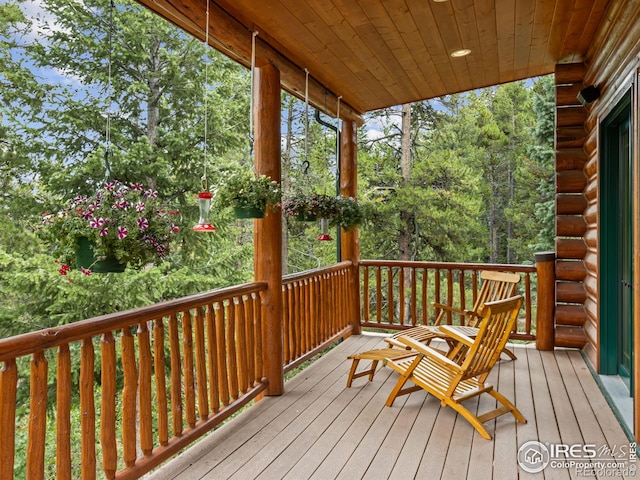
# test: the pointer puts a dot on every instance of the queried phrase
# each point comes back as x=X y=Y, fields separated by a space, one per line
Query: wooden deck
x=319 y=429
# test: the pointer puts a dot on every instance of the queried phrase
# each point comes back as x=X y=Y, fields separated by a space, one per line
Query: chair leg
x=507 y=403
x=509 y=353
x=470 y=417
x=354 y=366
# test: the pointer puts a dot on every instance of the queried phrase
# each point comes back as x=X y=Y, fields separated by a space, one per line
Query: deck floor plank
x=322 y=430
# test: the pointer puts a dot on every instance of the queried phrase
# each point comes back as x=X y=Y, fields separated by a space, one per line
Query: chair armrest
x=427 y=351
x=452 y=332
x=394 y=342
x=451 y=309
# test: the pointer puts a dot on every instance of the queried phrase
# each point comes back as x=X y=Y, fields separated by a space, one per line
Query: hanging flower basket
x=248 y=212
x=308 y=208
x=127 y=223
x=249 y=195
x=87 y=259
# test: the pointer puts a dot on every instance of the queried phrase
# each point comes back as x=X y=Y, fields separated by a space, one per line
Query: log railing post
x=349 y=241
x=545 y=318
x=268 y=231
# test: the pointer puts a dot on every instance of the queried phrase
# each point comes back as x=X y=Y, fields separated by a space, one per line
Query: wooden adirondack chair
x=453 y=383
x=495 y=286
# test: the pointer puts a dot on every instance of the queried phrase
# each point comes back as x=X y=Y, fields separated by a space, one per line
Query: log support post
x=545 y=318
x=349 y=241
x=268 y=231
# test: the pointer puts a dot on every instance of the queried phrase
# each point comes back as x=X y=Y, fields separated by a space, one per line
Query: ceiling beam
x=232 y=38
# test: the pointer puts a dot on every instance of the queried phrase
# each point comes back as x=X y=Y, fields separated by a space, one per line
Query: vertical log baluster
x=176 y=376
x=309 y=318
x=8 y=390
x=108 y=405
x=232 y=346
x=257 y=309
x=161 y=382
x=414 y=298
x=316 y=300
x=527 y=300
x=251 y=341
x=401 y=295
x=87 y=411
x=37 y=417
x=144 y=384
x=366 y=306
x=379 y=294
x=189 y=379
x=201 y=366
x=328 y=302
x=214 y=392
x=241 y=339
x=63 y=415
x=222 y=354
x=425 y=301
x=129 y=394
x=449 y=295
x=390 y=301
x=437 y=292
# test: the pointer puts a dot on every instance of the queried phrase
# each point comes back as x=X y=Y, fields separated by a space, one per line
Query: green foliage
x=350 y=214
x=65 y=299
x=247 y=190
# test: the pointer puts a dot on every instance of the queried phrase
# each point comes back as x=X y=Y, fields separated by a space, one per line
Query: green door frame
x=610 y=237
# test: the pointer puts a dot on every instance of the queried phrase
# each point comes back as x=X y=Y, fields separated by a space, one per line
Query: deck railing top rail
x=495 y=267
x=296 y=277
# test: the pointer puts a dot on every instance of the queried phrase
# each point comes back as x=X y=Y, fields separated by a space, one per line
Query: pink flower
x=122 y=232
x=104 y=231
x=86 y=271
x=143 y=223
x=139 y=206
x=97 y=222
x=151 y=193
x=174 y=228
x=109 y=186
x=137 y=186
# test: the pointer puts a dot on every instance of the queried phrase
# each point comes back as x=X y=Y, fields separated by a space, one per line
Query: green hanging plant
x=250 y=195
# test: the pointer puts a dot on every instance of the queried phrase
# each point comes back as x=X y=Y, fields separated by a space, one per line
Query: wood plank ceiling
x=380 y=53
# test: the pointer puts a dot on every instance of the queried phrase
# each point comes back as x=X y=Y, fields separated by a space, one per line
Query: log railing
x=396 y=295
x=314 y=305
x=149 y=382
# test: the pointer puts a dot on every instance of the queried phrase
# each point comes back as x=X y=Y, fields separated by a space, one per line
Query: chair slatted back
x=497 y=321
x=495 y=286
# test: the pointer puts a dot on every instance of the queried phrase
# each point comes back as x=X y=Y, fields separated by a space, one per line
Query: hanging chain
x=206 y=113
x=252 y=75
x=107 y=152
x=338 y=134
x=306 y=115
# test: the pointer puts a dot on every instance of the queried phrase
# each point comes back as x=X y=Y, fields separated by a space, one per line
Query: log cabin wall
x=571 y=207
x=612 y=64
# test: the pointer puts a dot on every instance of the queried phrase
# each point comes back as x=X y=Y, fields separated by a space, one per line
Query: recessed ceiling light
x=460 y=53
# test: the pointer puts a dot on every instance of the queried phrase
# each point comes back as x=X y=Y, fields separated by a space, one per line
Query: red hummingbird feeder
x=204 y=204
x=324 y=226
